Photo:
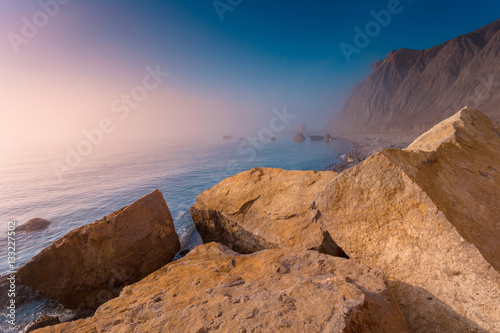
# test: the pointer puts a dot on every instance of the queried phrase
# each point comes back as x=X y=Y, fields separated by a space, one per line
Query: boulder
x=328 y=137
x=264 y=208
x=299 y=137
x=91 y=264
x=35 y=224
x=428 y=216
x=214 y=289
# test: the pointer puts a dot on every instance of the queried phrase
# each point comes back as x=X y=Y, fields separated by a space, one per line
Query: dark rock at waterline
x=317 y=138
x=299 y=137
x=35 y=224
x=328 y=137
x=43 y=321
x=91 y=264
x=273 y=139
x=23 y=294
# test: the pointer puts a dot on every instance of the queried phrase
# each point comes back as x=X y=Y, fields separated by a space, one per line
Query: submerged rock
x=35 y=224
x=264 y=208
x=91 y=264
x=317 y=138
x=214 y=289
x=299 y=137
x=428 y=216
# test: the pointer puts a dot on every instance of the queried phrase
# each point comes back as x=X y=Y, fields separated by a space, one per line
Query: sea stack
x=299 y=137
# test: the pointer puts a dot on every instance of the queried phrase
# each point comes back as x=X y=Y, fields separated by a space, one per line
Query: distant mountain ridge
x=412 y=90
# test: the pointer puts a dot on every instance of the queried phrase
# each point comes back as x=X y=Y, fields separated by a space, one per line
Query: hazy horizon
x=227 y=70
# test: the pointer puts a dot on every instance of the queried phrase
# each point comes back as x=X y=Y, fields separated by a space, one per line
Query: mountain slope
x=412 y=90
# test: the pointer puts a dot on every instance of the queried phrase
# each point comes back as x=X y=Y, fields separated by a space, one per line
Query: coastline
x=365 y=145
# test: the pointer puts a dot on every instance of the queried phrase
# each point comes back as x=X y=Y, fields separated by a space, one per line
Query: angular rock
x=428 y=216
x=214 y=289
x=91 y=264
x=299 y=137
x=264 y=208
x=35 y=224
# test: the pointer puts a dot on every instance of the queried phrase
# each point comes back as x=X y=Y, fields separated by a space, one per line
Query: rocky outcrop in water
x=299 y=137
x=264 y=209
x=91 y=264
x=428 y=216
x=35 y=224
x=214 y=289
x=412 y=90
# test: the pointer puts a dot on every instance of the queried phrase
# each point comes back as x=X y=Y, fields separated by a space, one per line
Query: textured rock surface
x=428 y=216
x=35 y=224
x=263 y=209
x=410 y=91
x=43 y=321
x=214 y=289
x=91 y=264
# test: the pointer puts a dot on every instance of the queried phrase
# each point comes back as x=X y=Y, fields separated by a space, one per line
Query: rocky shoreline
x=363 y=146
x=397 y=240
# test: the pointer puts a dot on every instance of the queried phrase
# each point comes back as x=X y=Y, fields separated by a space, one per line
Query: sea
x=110 y=178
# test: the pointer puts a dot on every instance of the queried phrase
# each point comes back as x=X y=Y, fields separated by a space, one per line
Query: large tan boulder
x=264 y=209
x=429 y=217
x=214 y=289
x=91 y=264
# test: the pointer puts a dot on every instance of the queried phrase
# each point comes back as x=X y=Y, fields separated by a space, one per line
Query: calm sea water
x=108 y=180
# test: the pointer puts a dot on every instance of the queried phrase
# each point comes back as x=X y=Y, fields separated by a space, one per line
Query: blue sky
x=264 y=54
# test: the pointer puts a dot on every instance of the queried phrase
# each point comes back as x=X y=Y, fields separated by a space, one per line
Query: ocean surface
x=113 y=177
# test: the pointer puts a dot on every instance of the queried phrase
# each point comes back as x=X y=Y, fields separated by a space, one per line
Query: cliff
x=412 y=90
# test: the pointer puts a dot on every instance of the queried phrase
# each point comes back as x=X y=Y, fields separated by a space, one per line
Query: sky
x=71 y=68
